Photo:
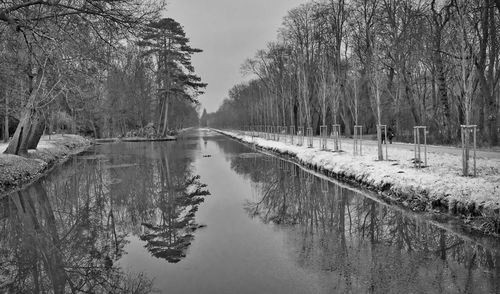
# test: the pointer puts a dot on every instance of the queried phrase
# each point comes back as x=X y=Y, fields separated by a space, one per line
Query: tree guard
x=292 y=134
x=284 y=132
x=466 y=131
x=337 y=144
x=417 y=130
x=323 y=132
x=358 y=140
x=310 y=137
x=300 y=136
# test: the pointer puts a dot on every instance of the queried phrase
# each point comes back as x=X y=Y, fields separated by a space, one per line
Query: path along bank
x=16 y=171
x=436 y=188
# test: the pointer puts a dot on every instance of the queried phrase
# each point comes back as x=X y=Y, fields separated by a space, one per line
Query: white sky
x=228 y=32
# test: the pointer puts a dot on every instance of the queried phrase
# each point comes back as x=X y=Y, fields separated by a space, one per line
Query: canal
x=207 y=214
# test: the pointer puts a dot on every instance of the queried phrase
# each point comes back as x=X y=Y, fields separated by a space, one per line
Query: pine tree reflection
x=68 y=233
x=361 y=245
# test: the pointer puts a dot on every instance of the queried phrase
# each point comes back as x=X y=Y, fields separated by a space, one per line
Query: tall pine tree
x=166 y=41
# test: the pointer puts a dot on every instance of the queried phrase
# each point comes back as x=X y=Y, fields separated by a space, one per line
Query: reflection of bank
x=67 y=233
x=48 y=252
x=324 y=186
x=360 y=246
x=33 y=240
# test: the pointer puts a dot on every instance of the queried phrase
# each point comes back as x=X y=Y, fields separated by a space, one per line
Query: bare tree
x=59 y=24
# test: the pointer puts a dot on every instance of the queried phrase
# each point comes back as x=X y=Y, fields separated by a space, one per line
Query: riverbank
x=16 y=171
x=436 y=188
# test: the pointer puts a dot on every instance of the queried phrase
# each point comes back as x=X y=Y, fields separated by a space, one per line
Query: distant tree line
x=370 y=62
x=99 y=68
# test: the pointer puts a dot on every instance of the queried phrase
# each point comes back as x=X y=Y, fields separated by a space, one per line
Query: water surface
x=137 y=217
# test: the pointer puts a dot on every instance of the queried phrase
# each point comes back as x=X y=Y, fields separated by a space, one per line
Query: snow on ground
x=48 y=141
x=441 y=180
x=481 y=152
x=16 y=170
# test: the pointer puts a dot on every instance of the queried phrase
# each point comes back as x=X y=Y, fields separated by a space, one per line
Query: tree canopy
x=359 y=62
x=93 y=67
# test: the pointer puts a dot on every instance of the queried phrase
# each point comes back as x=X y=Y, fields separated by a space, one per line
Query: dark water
x=137 y=218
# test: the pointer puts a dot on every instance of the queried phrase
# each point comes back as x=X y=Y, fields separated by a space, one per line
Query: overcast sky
x=228 y=32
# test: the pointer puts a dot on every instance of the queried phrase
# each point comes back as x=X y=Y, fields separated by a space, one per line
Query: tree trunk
x=165 y=119
x=493 y=77
x=409 y=96
x=379 y=114
x=19 y=143
x=347 y=126
x=36 y=132
x=94 y=129
x=461 y=120
x=346 y=118
x=493 y=123
x=6 y=122
x=160 y=116
x=316 y=118
x=440 y=18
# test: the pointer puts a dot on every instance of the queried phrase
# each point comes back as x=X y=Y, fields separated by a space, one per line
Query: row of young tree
x=100 y=68
x=376 y=62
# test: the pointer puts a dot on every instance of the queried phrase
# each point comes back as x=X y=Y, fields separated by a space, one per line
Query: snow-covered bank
x=16 y=170
x=437 y=187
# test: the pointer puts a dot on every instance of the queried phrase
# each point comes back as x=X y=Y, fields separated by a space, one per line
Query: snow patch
x=440 y=181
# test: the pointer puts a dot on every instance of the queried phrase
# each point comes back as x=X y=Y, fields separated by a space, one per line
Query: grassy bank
x=16 y=171
x=437 y=188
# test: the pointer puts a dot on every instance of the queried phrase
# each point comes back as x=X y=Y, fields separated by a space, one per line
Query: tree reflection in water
x=66 y=233
x=359 y=245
